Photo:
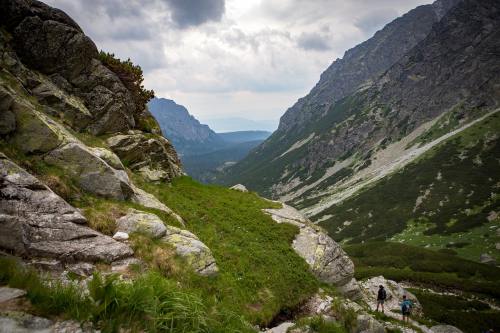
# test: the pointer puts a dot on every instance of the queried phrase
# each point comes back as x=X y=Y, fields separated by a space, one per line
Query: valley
x=121 y=212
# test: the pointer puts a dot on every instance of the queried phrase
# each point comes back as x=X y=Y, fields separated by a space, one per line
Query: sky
x=232 y=58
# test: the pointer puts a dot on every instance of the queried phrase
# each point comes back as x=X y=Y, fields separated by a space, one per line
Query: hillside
x=101 y=231
x=359 y=137
x=188 y=136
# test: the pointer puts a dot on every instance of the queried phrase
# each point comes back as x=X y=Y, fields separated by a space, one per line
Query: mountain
x=101 y=231
x=185 y=131
x=390 y=101
x=244 y=136
x=202 y=151
x=230 y=124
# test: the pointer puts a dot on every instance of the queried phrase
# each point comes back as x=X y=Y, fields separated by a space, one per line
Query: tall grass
x=150 y=302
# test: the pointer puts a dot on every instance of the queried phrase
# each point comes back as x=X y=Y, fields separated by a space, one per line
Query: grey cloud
x=313 y=41
x=375 y=20
x=188 y=13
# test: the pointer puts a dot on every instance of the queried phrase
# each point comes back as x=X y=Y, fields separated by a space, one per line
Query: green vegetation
x=246 y=243
x=468 y=315
x=320 y=325
x=438 y=271
x=150 y=302
x=131 y=76
x=452 y=192
x=402 y=262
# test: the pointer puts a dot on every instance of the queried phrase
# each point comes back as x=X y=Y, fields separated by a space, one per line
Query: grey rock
x=485 y=258
x=197 y=255
x=281 y=328
x=327 y=260
x=7 y=118
x=239 y=187
x=150 y=201
x=7 y=294
x=82 y=269
x=137 y=221
x=38 y=223
x=120 y=236
x=367 y=324
x=109 y=157
x=51 y=46
x=24 y=323
x=150 y=155
x=93 y=173
x=70 y=109
x=395 y=293
x=445 y=329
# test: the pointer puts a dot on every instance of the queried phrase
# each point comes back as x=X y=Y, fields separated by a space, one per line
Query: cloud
x=188 y=13
x=313 y=41
x=232 y=57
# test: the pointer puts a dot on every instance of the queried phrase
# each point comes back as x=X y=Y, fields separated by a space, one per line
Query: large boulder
x=93 y=173
x=395 y=293
x=327 y=260
x=196 y=253
x=137 y=221
x=152 y=156
x=36 y=222
x=150 y=201
x=53 y=47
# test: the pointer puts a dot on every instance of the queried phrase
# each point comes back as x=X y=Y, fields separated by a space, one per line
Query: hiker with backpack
x=381 y=296
x=406 y=306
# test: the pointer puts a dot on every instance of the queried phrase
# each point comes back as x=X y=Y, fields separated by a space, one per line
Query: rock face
x=326 y=258
x=151 y=155
x=189 y=247
x=49 y=41
x=137 y=221
x=36 y=222
x=93 y=173
x=394 y=292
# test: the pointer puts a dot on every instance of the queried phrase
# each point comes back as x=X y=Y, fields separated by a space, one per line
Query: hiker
x=381 y=296
x=406 y=306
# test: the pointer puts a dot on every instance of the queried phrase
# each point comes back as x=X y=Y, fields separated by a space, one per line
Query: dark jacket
x=382 y=295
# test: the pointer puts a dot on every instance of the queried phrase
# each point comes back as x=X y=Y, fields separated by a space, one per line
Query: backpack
x=406 y=307
x=384 y=294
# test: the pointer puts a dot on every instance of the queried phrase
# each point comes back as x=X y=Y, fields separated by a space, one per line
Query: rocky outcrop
x=239 y=187
x=196 y=253
x=137 y=221
x=186 y=245
x=395 y=293
x=150 y=155
x=47 y=40
x=20 y=322
x=326 y=258
x=150 y=201
x=36 y=222
x=93 y=173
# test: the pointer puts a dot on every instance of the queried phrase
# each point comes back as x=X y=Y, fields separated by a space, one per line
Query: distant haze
x=233 y=124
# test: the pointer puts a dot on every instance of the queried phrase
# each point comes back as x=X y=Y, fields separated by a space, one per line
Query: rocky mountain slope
x=186 y=133
x=100 y=227
x=355 y=128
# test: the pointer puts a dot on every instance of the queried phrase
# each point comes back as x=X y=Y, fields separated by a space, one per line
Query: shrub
x=132 y=77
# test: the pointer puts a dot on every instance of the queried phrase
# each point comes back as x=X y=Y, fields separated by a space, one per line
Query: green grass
x=460 y=176
x=260 y=274
x=150 y=302
x=320 y=325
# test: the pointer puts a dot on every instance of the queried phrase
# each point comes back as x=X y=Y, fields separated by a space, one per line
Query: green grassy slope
x=447 y=198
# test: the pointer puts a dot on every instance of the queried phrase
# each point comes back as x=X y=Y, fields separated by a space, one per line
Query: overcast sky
x=232 y=58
